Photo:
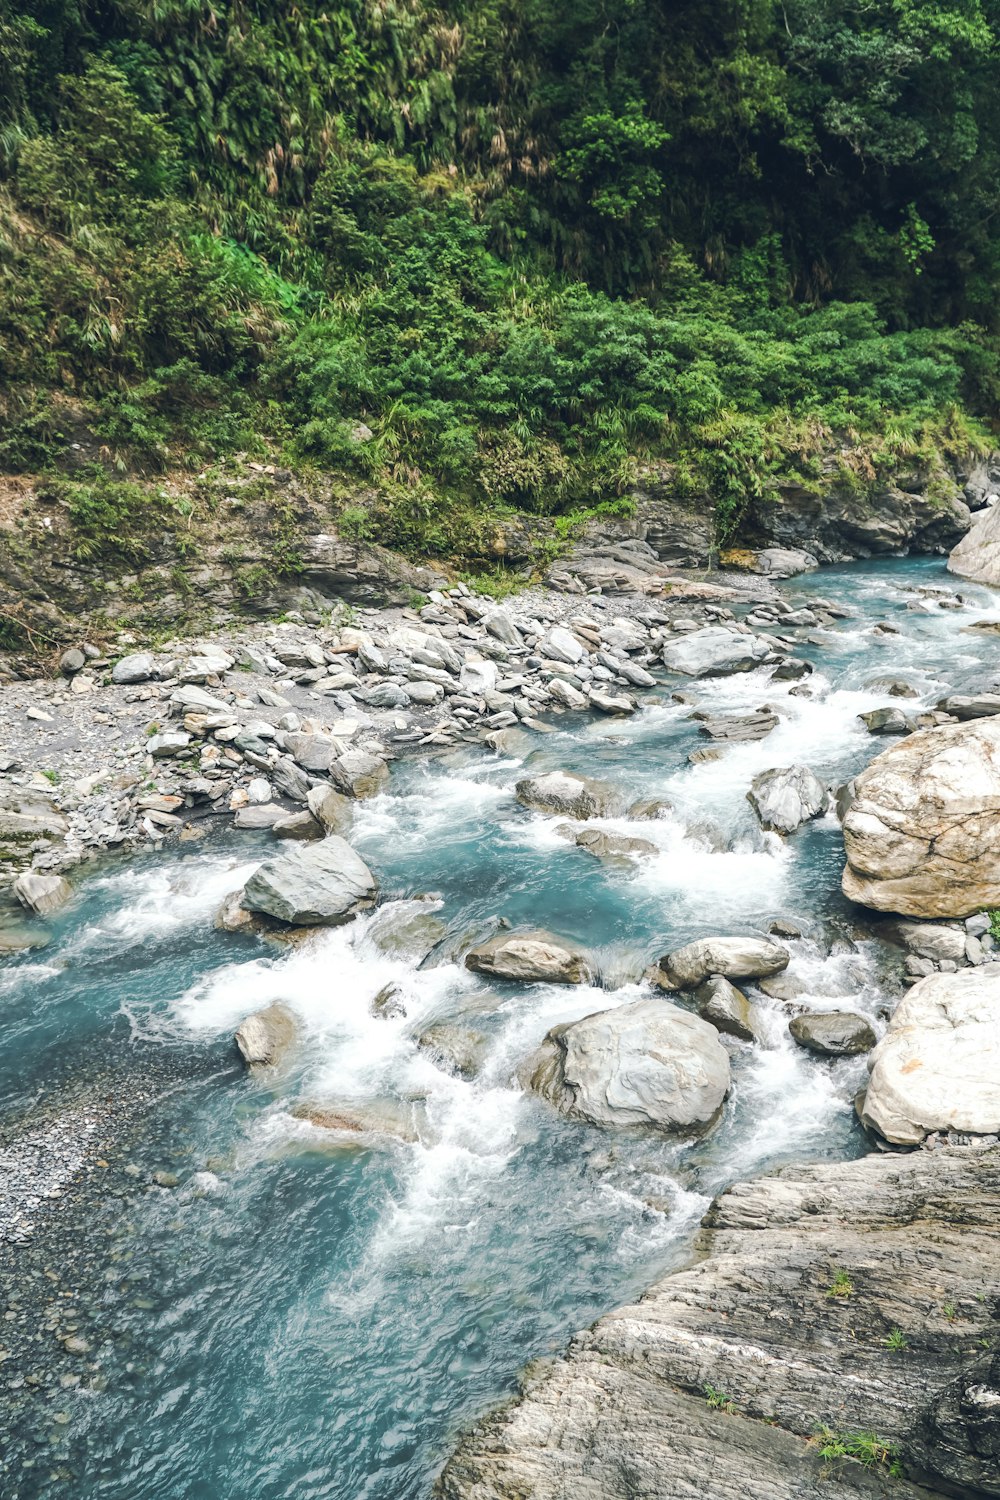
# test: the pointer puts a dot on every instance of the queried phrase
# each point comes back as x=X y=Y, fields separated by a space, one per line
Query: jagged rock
x=739 y=727
x=732 y=957
x=922 y=835
x=787 y=797
x=200 y=668
x=649 y=809
x=132 y=669
x=728 y=1009
x=289 y=779
x=300 y=825
x=570 y=795
x=313 y=885
x=977 y=555
x=886 y=721
x=264 y=816
x=715 y=651
x=605 y=845
x=938 y=1065
x=167 y=744
x=646 y=1063
x=359 y=774
x=313 y=752
x=566 y=694
x=265 y=1037
x=330 y=808
x=42 y=894
x=624 y=1415
x=934 y=940
x=833 y=1033
x=977 y=706
x=562 y=645
x=610 y=703
x=389 y=1002
x=406 y=929
x=530 y=956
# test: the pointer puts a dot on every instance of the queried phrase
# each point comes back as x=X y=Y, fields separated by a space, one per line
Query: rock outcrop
x=977 y=555
x=922 y=835
x=315 y=884
x=938 y=1065
x=843 y=1300
x=647 y=1063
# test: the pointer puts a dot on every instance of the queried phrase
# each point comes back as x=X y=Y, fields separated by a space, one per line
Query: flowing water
x=309 y=1315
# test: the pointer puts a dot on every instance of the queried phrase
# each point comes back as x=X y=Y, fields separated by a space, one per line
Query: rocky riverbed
x=555 y=889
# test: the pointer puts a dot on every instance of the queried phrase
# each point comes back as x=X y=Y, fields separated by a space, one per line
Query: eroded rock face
x=922 y=835
x=570 y=795
x=315 y=884
x=732 y=957
x=648 y=1063
x=786 y=797
x=938 y=1065
x=977 y=555
x=530 y=956
x=714 y=652
x=623 y=1416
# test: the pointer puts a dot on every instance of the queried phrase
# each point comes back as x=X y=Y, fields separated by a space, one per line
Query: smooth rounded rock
x=530 y=956
x=833 y=1033
x=265 y=1037
x=732 y=957
x=315 y=884
x=571 y=795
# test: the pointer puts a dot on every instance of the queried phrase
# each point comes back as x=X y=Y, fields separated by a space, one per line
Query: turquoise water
x=309 y=1315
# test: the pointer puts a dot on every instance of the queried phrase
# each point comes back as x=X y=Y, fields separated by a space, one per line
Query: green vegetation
x=994 y=917
x=492 y=255
x=841 y=1285
x=871 y=1451
x=719 y=1401
x=896 y=1340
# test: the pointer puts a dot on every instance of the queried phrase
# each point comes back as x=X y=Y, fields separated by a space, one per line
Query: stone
x=406 y=929
x=977 y=555
x=499 y=624
x=167 y=744
x=728 y=1009
x=190 y=696
x=787 y=797
x=568 y=794
x=938 y=1066
x=71 y=662
x=359 y=773
x=623 y=1414
x=388 y=1003
x=562 y=645
x=974 y=706
x=922 y=835
x=289 y=779
x=886 y=721
x=264 y=816
x=200 y=668
x=265 y=1037
x=42 y=894
x=478 y=677
x=299 y=825
x=132 y=669
x=533 y=956
x=313 y=752
x=610 y=703
x=330 y=808
x=934 y=940
x=832 y=1033
x=715 y=651
x=457 y=1049
x=646 y=1063
x=316 y=884
x=566 y=694
x=738 y=727
x=732 y=957
x=650 y=809
x=605 y=845
x=232 y=916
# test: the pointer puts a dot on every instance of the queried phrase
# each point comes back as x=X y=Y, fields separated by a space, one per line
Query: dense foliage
x=493 y=253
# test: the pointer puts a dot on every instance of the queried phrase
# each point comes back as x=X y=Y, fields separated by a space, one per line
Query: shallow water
x=319 y=1314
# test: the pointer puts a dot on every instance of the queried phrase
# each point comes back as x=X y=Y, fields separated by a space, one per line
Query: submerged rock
x=315 y=884
x=265 y=1037
x=886 y=721
x=607 y=845
x=787 y=797
x=833 y=1033
x=406 y=929
x=647 y=1063
x=715 y=651
x=938 y=1065
x=456 y=1049
x=732 y=957
x=571 y=795
x=922 y=835
x=531 y=956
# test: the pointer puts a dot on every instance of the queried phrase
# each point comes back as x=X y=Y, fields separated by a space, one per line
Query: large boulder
x=647 y=1063
x=42 y=894
x=832 y=1033
x=938 y=1065
x=786 y=797
x=922 y=835
x=728 y=1009
x=529 y=956
x=359 y=774
x=570 y=795
x=714 y=652
x=313 y=885
x=977 y=555
x=732 y=957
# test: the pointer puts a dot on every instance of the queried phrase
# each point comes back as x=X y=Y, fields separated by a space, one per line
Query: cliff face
x=828 y=1302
